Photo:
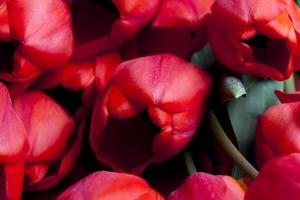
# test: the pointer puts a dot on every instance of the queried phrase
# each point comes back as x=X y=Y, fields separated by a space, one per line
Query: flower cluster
x=114 y=99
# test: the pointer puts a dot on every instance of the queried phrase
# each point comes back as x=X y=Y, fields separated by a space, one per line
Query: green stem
x=289 y=84
x=228 y=147
x=189 y=163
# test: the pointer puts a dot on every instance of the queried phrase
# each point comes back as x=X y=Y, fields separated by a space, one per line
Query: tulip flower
x=48 y=44
x=52 y=147
x=26 y=52
x=277 y=131
x=203 y=186
x=149 y=112
x=110 y=185
x=277 y=180
x=259 y=38
x=13 y=149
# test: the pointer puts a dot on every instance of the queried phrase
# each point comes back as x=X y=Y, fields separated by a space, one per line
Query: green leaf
x=204 y=58
x=243 y=111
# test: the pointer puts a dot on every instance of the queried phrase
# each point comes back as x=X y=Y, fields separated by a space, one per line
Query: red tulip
x=203 y=186
x=49 y=131
x=277 y=131
x=13 y=149
x=277 y=180
x=171 y=92
x=109 y=186
x=43 y=29
x=259 y=38
x=25 y=52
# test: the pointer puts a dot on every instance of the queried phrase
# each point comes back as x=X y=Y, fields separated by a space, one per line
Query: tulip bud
x=149 y=112
x=258 y=38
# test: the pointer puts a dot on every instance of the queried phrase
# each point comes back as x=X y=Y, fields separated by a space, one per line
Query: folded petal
x=45 y=44
x=288 y=97
x=48 y=126
x=40 y=177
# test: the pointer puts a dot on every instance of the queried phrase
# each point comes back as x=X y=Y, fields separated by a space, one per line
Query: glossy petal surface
x=110 y=186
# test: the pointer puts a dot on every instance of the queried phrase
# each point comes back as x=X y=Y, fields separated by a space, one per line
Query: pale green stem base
x=229 y=148
x=189 y=163
x=289 y=84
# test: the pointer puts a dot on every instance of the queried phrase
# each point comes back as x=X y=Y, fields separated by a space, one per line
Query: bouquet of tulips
x=149 y=100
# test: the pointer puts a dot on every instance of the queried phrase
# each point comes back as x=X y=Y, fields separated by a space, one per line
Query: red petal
x=46 y=44
x=65 y=165
x=49 y=126
x=174 y=13
x=23 y=70
x=277 y=132
x=168 y=81
x=135 y=14
x=11 y=184
x=109 y=185
x=13 y=141
x=272 y=183
x=73 y=76
x=209 y=187
x=4 y=24
x=105 y=66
